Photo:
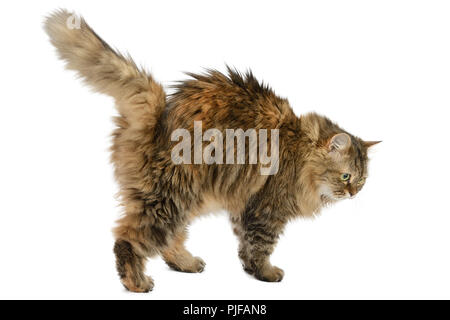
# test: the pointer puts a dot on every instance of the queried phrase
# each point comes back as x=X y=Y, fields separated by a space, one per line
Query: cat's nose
x=352 y=192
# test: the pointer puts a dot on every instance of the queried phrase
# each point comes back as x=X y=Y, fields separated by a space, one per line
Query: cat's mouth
x=327 y=195
x=341 y=195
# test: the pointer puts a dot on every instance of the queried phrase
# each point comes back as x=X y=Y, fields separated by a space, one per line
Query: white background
x=381 y=69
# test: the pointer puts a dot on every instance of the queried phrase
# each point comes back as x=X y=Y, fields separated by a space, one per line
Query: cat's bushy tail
x=139 y=98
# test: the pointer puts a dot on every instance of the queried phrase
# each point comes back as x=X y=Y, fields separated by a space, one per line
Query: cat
x=318 y=162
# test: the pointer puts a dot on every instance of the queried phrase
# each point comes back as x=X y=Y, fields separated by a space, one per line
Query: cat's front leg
x=259 y=260
x=257 y=242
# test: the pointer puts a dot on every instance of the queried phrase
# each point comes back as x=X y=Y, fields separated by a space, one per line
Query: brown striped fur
x=160 y=198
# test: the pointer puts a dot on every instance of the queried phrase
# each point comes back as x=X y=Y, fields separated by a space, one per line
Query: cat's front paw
x=270 y=274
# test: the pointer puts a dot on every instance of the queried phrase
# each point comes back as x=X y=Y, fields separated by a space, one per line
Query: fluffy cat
x=319 y=163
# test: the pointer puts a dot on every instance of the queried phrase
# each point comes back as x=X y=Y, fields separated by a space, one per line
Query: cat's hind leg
x=178 y=257
x=146 y=229
x=130 y=266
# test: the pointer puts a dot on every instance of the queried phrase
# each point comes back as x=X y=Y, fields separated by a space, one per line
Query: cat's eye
x=345 y=176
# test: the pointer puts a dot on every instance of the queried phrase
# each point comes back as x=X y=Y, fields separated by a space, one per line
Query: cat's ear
x=339 y=142
x=368 y=144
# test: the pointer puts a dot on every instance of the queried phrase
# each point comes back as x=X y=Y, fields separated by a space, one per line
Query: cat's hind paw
x=144 y=285
x=192 y=265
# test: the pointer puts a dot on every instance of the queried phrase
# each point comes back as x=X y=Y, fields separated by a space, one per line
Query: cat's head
x=344 y=167
x=339 y=161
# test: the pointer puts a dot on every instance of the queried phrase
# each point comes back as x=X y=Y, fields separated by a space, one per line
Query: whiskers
x=340 y=195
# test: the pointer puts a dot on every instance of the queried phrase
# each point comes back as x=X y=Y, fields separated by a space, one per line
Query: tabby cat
x=318 y=162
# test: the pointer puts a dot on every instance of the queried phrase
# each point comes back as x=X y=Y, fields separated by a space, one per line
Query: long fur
x=161 y=198
x=137 y=95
